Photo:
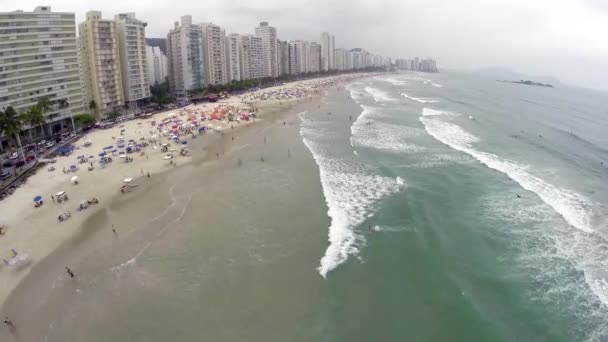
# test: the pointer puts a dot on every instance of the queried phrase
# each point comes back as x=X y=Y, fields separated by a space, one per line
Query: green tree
x=94 y=108
x=114 y=115
x=34 y=118
x=10 y=124
x=45 y=106
x=85 y=119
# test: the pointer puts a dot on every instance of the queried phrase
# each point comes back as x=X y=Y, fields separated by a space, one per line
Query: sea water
x=405 y=207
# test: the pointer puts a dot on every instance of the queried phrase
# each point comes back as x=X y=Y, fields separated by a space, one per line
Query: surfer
x=518 y=196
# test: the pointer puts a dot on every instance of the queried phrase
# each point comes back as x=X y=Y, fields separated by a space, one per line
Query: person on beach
x=53 y=198
x=70 y=273
x=9 y=323
x=148 y=174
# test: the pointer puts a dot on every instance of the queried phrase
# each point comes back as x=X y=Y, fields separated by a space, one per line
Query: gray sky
x=567 y=39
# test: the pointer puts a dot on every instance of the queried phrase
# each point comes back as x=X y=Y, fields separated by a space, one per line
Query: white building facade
x=185 y=57
x=327 y=51
x=131 y=34
x=157 y=65
x=269 y=45
x=214 y=54
x=234 y=60
x=39 y=58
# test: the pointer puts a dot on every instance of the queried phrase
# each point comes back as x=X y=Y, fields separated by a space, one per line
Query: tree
x=94 y=108
x=33 y=117
x=63 y=103
x=10 y=123
x=45 y=106
x=114 y=115
x=160 y=93
x=85 y=119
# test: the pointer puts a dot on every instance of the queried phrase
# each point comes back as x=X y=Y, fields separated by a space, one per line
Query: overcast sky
x=567 y=39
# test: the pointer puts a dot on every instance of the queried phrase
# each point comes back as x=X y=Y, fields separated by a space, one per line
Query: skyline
x=560 y=39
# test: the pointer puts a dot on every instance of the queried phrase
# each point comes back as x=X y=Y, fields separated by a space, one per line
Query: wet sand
x=139 y=217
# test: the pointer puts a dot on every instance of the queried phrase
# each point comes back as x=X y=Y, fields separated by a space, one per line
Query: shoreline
x=39 y=233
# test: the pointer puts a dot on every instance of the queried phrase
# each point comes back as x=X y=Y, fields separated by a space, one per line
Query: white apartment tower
x=157 y=65
x=100 y=63
x=39 y=58
x=314 y=57
x=295 y=54
x=234 y=61
x=341 y=55
x=185 y=57
x=328 y=60
x=214 y=54
x=269 y=44
x=283 y=48
x=132 y=48
x=253 y=57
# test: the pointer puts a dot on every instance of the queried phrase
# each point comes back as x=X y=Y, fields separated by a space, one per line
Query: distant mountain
x=160 y=42
x=500 y=73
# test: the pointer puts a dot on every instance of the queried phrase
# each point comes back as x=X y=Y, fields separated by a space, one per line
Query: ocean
x=404 y=207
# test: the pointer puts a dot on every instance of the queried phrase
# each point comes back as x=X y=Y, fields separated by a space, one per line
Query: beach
x=37 y=232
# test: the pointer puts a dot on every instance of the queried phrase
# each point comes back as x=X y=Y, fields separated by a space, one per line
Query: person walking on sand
x=9 y=323
x=70 y=273
x=53 y=198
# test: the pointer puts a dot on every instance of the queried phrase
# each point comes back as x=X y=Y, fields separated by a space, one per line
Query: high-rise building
x=283 y=48
x=304 y=52
x=253 y=57
x=157 y=65
x=100 y=63
x=341 y=56
x=185 y=57
x=39 y=58
x=327 y=51
x=269 y=45
x=314 y=57
x=131 y=35
x=214 y=54
x=234 y=61
x=295 y=55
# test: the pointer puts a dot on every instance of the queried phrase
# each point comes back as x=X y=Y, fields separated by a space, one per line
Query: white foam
x=379 y=95
x=419 y=99
x=435 y=112
x=573 y=207
x=399 y=180
x=436 y=85
x=351 y=192
x=395 y=81
x=371 y=133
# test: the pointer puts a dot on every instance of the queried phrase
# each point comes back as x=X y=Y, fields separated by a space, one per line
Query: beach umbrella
x=127 y=180
x=184 y=142
x=38 y=198
x=114 y=151
x=91 y=157
x=74 y=179
x=102 y=154
x=73 y=167
x=108 y=147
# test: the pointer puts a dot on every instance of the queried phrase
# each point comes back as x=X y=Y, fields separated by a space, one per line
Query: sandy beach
x=34 y=233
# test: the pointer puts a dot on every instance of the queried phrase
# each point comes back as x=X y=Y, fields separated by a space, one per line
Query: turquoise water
x=407 y=207
x=487 y=208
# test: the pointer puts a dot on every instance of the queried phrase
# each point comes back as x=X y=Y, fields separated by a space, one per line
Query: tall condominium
x=157 y=65
x=185 y=57
x=283 y=48
x=132 y=48
x=253 y=57
x=314 y=57
x=304 y=68
x=214 y=54
x=100 y=63
x=295 y=55
x=234 y=61
x=269 y=44
x=327 y=51
x=341 y=55
x=39 y=58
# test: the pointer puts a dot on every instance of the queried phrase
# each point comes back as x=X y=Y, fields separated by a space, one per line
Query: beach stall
x=38 y=201
x=61 y=196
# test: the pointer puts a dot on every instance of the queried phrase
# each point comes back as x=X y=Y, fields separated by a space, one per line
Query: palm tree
x=10 y=123
x=93 y=107
x=33 y=117
x=45 y=106
x=63 y=103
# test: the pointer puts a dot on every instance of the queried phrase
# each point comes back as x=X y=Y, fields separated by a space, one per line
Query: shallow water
x=388 y=211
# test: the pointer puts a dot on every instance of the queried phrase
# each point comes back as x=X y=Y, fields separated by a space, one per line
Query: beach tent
x=127 y=180
x=38 y=198
x=74 y=180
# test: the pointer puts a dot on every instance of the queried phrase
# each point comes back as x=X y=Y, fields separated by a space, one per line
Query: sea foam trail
x=379 y=95
x=419 y=99
x=369 y=132
x=351 y=192
x=573 y=207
